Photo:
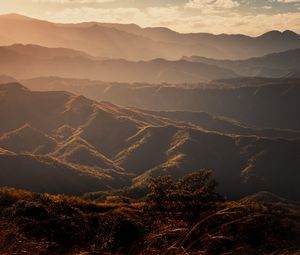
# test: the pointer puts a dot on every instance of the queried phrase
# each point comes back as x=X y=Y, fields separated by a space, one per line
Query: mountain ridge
x=25 y=61
x=116 y=147
x=98 y=39
x=260 y=103
x=276 y=65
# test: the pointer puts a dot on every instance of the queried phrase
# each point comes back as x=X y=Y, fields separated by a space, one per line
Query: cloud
x=213 y=16
x=247 y=24
x=267 y=7
x=168 y=13
x=153 y=16
x=81 y=14
x=73 y=1
x=288 y=1
x=179 y=19
x=216 y=4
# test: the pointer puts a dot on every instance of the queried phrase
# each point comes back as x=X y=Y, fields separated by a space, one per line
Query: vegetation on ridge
x=179 y=217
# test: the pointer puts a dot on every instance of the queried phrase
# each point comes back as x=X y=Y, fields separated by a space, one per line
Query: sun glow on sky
x=251 y=17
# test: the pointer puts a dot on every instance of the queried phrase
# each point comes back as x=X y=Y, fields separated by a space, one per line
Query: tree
x=190 y=194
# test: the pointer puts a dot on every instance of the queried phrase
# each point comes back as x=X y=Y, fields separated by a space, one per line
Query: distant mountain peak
x=15 y=16
x=271 y=33
x=290 y=34
x=276 y=34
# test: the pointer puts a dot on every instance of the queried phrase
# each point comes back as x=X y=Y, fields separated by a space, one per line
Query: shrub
x=191 y=194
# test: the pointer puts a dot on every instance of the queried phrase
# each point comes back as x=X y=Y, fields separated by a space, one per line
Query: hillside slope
x=45 y=174
x=259 y=102
x=123 y=146
x=272 y=106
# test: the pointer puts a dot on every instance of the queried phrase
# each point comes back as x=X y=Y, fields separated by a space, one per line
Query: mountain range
x=72 y=145
x=258 y=102
x=132 y=42
x=28 y=61
x=119 y=139
x=283 y=64
x=108 y=106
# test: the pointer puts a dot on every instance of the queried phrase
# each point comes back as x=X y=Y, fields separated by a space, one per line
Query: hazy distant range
x=128 y=53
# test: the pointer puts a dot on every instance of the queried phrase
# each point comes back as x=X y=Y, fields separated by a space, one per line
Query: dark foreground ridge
x=183 y=217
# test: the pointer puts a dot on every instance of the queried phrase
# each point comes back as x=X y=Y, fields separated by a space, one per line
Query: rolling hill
x=276 y=65
x=259 y=102
x=241 y=164
x=271 y=106
x=28 y=61
x=110 y=146
x=147 y=96
x=223 y=125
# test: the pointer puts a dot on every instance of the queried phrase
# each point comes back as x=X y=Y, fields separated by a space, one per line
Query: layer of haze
x=215 y=16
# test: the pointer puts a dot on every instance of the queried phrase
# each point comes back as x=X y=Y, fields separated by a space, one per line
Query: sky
x=251 y=17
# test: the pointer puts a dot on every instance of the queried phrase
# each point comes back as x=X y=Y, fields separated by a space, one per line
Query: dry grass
x=33 y=223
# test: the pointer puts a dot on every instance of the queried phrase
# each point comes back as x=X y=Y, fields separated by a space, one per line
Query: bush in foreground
x=180 y=217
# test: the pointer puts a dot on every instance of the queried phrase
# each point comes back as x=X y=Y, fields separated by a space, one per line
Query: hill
x=223 y=125
x=28 y=61
x=271 y=106
x=42 y=224
x=46 y=174
x=240 y=164
x=28 y=140
x=135 y=43
x=186 y=114
x=276 y=65
x=269 y=198
x=123 y=146
x=258 y=102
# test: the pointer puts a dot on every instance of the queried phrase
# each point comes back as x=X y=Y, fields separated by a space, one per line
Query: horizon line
x=146 y=27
